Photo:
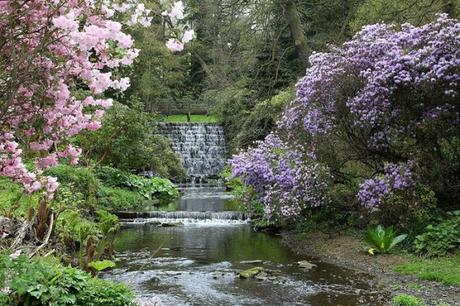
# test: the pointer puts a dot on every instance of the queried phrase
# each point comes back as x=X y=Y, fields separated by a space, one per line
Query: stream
x=193 y=256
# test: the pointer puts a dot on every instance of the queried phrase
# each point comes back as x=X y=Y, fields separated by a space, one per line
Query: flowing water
x=197 y=261
x=190 y=252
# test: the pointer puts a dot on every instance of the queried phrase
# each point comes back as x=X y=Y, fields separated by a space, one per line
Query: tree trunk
x=449 y=8
x=295 y=26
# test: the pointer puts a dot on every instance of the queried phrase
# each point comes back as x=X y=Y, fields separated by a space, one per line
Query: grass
x=444 y=269
x=193 y=118
x=407 y=300
x=415 y=286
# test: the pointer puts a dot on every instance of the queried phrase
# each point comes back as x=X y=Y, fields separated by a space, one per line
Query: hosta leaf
x=102 y=265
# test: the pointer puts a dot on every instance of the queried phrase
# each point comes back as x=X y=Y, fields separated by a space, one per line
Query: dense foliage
x=112 y=188
x=46 y=282
x=383 y=107
x=148 y=187
x=440 y=238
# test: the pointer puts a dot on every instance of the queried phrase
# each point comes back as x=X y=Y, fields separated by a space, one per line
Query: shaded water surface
x=197 y=262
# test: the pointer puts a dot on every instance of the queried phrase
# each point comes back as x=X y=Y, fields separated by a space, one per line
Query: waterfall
x=200 y=146
x=163 y=218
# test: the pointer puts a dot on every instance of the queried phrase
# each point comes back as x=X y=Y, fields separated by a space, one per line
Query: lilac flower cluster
x=366 y=72
x=286 y=180
x=397 y=177
x=389 y=83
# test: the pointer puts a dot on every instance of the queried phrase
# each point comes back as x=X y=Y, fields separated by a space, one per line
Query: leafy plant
x=13 y=201
x=101 y=265
x=439 y=239
x=83 y=179
x=149 y=188
x=382 y=240
x=108 y=225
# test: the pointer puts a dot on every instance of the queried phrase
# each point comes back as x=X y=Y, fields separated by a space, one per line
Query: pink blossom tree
x=57 y=59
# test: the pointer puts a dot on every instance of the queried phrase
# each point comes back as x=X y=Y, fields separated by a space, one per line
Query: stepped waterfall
x=200 y=146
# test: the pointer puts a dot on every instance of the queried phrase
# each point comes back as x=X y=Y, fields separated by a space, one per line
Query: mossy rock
x=250 y=273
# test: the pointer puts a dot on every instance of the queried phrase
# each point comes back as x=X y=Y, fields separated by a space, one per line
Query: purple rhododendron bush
x=374 y=128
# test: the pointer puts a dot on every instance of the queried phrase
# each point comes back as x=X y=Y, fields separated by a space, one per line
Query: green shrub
x=107 y=222
x=439 y=239
x=262 y=119
x=409 y=212
x=100 y=292
x=90 y=237
x=162 y=188
x=68 y=196
x=46 y=282
x=382 y=240
x=108 y=187
x=82 y=179
x=128 y=140
x=114 y=199
x=407 y=300
x=71 y=226
x=112 y=176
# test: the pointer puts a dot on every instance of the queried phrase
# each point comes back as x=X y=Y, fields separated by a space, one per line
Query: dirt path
x=349 y=252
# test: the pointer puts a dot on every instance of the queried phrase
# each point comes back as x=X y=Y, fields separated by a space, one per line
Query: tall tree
x=296 y=27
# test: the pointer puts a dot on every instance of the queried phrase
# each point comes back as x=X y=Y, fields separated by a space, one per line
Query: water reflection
x=203 y=199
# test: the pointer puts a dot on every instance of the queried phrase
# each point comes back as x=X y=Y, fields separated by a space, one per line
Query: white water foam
x=184 y=222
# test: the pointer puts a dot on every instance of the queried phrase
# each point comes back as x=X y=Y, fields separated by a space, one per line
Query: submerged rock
x=251 y=262
x=262 y=276
x=154 y=223
x=250 y=273
x=172 y=224
x=306 y=265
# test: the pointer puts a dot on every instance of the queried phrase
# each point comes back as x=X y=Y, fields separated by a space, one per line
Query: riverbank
x=348 y=251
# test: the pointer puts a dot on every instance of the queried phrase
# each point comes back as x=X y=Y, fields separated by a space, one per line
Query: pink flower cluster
x=176 y=15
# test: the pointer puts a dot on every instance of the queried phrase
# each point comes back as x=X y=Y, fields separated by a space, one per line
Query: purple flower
x=286 y=179
x=397 y=177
